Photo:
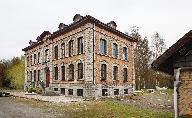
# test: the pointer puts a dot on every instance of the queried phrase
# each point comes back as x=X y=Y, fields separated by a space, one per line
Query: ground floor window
x=55 y=89
x=63 y=91
x=116 y=91
x=125 y=91
x=70 y=91
x=104 y=92
x=79 y=92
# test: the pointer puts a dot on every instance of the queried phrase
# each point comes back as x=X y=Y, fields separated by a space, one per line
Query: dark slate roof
x=164 y=62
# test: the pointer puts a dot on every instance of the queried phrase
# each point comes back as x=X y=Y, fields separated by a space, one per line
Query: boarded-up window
x=71 y=72
x=71 y=48
x=80 y=45
x=80 y=70
x=103 y=71
x=115 y=72
x=63 y=73
x=103 y=46
x=125 y=74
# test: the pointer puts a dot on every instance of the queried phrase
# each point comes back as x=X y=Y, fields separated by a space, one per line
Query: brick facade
x=91 y=31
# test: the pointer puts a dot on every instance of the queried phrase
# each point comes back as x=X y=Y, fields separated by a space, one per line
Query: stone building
x=86 y=58
x=177 y=61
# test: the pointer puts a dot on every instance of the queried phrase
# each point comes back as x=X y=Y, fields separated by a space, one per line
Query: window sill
x=80 y=79
x=71 y=80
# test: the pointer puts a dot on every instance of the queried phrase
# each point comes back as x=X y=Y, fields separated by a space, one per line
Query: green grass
x=99 y=109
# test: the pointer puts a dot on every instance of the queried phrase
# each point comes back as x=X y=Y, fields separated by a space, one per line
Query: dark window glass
x=27 y=61
x=46 y=54
x=125 y=91
x=56 y=73
x=56 y=52
x=55 y=89
x=71 y=72
x=103 y=71
x=80 y=45
x=31 y=58
x=31 y=76
x=104 y=92
x=63 y=50
x=79 y=92
x=38 y=58
x=80 y=70
x=63 y=72
x=124 y=53
x=115 y=50
x=70 y=48
x=103 y=46
x=38 y=77
x=116 y=91
x=115 y=72
x=125 y=74
x=70 y=91
x=63 y=91
x=34 y=59
x=34 y=75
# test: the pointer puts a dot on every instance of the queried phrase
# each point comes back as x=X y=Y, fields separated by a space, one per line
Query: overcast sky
x=24 y=20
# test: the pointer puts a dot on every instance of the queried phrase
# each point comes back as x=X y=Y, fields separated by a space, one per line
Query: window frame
x=115 y=72
x=103 y=72
x=125 y=53
x=125 y=74
x=55 y=73
x=71 y=72
x=80 y=45
x=115 y=50
x=70 y=48
x=80 y=71
x=103 y=46
x=62 y=50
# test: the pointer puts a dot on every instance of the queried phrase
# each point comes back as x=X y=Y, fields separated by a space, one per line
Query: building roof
x=79 y=21
x=164 y=62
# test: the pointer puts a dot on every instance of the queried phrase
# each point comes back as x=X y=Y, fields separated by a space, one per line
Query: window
x=71 y=72
x=124 y=53
x=104 y=92
x=125 y=74
x=116 y=91
x=70 y=91
x=63 y=91
x=38 y=73
x=56 y=52
x=34 y=75
x=115 y=72
x=80 y=70
x=62 y=50
x=31 y=58
x=70 y=48
x=56 y=73
x=31 y=75
x=103 y=46
x=115 y=50
x=63 y=73
x=55 y=89
x=103 y=71
x=80 y=92
x=46 y=54
x=38 y=58
x=80 y=45
x=27 y=61
x=34 y=59
x=125 y=91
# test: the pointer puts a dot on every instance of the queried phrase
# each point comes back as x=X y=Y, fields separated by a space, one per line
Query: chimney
x=112 y=24
x=31 y=42
x=77 y=17
x=62 y=26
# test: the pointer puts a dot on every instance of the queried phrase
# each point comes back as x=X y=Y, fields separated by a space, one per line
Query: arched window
x=103 y=46
x=115 y=72
x=46 y=54
x=70 y=48
x=62 y=50
x=125 y=74
x=80 y=45
x=80 y=70
x=124 y=53
x=115 y=50
x=71 y=72
x=103 y=71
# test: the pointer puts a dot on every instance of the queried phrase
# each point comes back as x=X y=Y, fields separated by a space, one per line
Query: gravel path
x=10 y=108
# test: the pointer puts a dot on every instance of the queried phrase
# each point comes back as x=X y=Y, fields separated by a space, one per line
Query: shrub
x=31 y=90
x=39 y=91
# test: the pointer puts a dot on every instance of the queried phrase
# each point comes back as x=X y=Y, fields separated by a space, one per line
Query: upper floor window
x=115 y=72
x=63 y=73
x=103 y=71
x=34 y=75
x=124 y=53
x=35 y=57
x=38 y=75
x=31 y=60
x=70 y=48
x=63 y=50
x=80 y=45
x=46 y=54
x=56 y=52
x=115 y=50
x=38 y=58
x=125 y=74
x=71 y=72
x=27 y=61
x=56 y=73
x=103 y=46
x=80 y=70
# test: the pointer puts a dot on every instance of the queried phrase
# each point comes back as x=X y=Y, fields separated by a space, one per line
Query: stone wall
x=185 y=93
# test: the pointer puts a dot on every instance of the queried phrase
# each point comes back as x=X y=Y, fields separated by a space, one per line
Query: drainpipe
x=176 y=83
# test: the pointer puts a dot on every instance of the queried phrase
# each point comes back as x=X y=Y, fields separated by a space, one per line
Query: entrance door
x=47 y=77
